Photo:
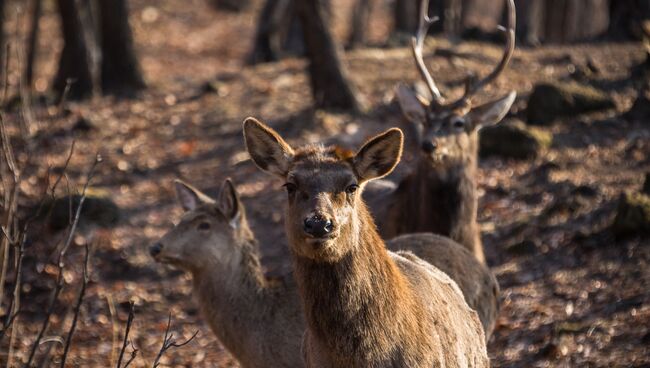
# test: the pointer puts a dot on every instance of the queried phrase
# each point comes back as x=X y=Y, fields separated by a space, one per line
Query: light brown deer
x=365 y=306
x=440 y=196
x=258 y=321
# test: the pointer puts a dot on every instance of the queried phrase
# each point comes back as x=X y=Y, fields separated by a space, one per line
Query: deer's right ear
x=229 y=202
x=413 y=108
x=190 y=197
x=267 y=149
x=379 y=156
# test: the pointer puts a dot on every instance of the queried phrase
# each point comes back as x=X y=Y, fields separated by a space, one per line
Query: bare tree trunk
x=231 y=5
x=278 y=33
x=74 y=62
x=328 y=76
x=405 y=16
x=120 y=70
x=2 y=41
x=32 y=43
x=360 y=23
x=627 y=17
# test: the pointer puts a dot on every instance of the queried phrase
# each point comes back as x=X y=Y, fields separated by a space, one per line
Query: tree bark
x=278 y=33
x=360 y=22
x=627 y=17
x=2 y=41
x=328 y=76
x=120 y=70
x=74 y=65
x=231 y=5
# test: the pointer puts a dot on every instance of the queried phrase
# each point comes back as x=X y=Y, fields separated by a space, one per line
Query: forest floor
x=572 y=293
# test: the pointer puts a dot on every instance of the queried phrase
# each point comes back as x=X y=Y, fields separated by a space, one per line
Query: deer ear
x=379 y=156
x=267 y=149
x=229 y=203
x=190 y=197
x=492 y=112
x=413 y=108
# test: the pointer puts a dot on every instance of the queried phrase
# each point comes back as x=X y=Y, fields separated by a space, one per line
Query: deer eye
x=204 y=226
x=458 y=123
x=351 y=188
x=290 y=187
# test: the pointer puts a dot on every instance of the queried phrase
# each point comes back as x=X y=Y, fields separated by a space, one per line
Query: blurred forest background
x=105 y=102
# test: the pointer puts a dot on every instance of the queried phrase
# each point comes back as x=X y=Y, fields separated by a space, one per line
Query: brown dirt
x=573 y=294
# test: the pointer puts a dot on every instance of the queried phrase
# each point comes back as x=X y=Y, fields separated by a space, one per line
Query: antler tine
x=472 y=88
x=418 y=44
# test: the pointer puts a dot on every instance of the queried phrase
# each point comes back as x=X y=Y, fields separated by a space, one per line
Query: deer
x=440 y=194
x=214 y=243
x=365 y=306
x=258 y=321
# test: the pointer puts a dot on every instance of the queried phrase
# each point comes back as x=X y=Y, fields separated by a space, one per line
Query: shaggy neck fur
x=445 y=201
x=356 y=307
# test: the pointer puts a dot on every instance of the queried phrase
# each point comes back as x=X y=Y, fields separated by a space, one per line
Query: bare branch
x=169 y=342
x=60 y=264
x=134 y=351
x=77 y=308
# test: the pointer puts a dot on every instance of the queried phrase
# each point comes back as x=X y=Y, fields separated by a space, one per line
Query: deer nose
x=318 y=226
x=429 y=146
x=155 y=249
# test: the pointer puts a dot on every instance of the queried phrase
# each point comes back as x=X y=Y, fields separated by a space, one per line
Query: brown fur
x=259 y=322
x=365 y=306
x=477 y=283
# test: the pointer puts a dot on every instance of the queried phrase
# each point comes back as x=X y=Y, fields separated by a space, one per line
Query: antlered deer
x=440 y=195
x=365 y=306
x=259 y=322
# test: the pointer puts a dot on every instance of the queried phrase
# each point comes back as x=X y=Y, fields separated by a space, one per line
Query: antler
x=472 y=86
x=417 y=42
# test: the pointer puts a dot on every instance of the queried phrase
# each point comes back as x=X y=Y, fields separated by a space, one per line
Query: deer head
x=207 y=232
x=446 y=132
x=323 y=185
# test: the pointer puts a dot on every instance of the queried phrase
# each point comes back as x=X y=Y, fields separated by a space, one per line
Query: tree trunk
x=74 y=63
x=328 y=76
x=562 y=21
x=32 y=43
x=627 y=17
x=120 y=71
x=231 y=5
x=278 y=33
x=360 y=23
x=2 y=43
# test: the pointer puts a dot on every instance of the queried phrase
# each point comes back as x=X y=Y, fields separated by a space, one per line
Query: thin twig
x=77 y=308
x=60 y=264
x=129 y=321
x=169 y=342
x=64 y=95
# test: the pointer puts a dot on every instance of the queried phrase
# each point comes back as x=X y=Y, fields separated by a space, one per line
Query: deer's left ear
x=379 y=156
x=492 y=112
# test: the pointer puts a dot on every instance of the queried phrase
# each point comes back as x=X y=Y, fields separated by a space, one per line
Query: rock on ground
x=549 y=101
x=633 y=214
x=513 y=139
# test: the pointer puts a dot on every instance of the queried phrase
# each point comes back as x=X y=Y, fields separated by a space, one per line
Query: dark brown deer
x=365 y=306
x=440 y=196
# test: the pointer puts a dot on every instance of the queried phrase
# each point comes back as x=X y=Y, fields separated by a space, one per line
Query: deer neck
x=354 y=306
x=232 y=298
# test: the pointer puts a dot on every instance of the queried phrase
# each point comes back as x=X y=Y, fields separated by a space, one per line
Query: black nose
x=318 y=226
x=155 y=249
x=429 y=147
